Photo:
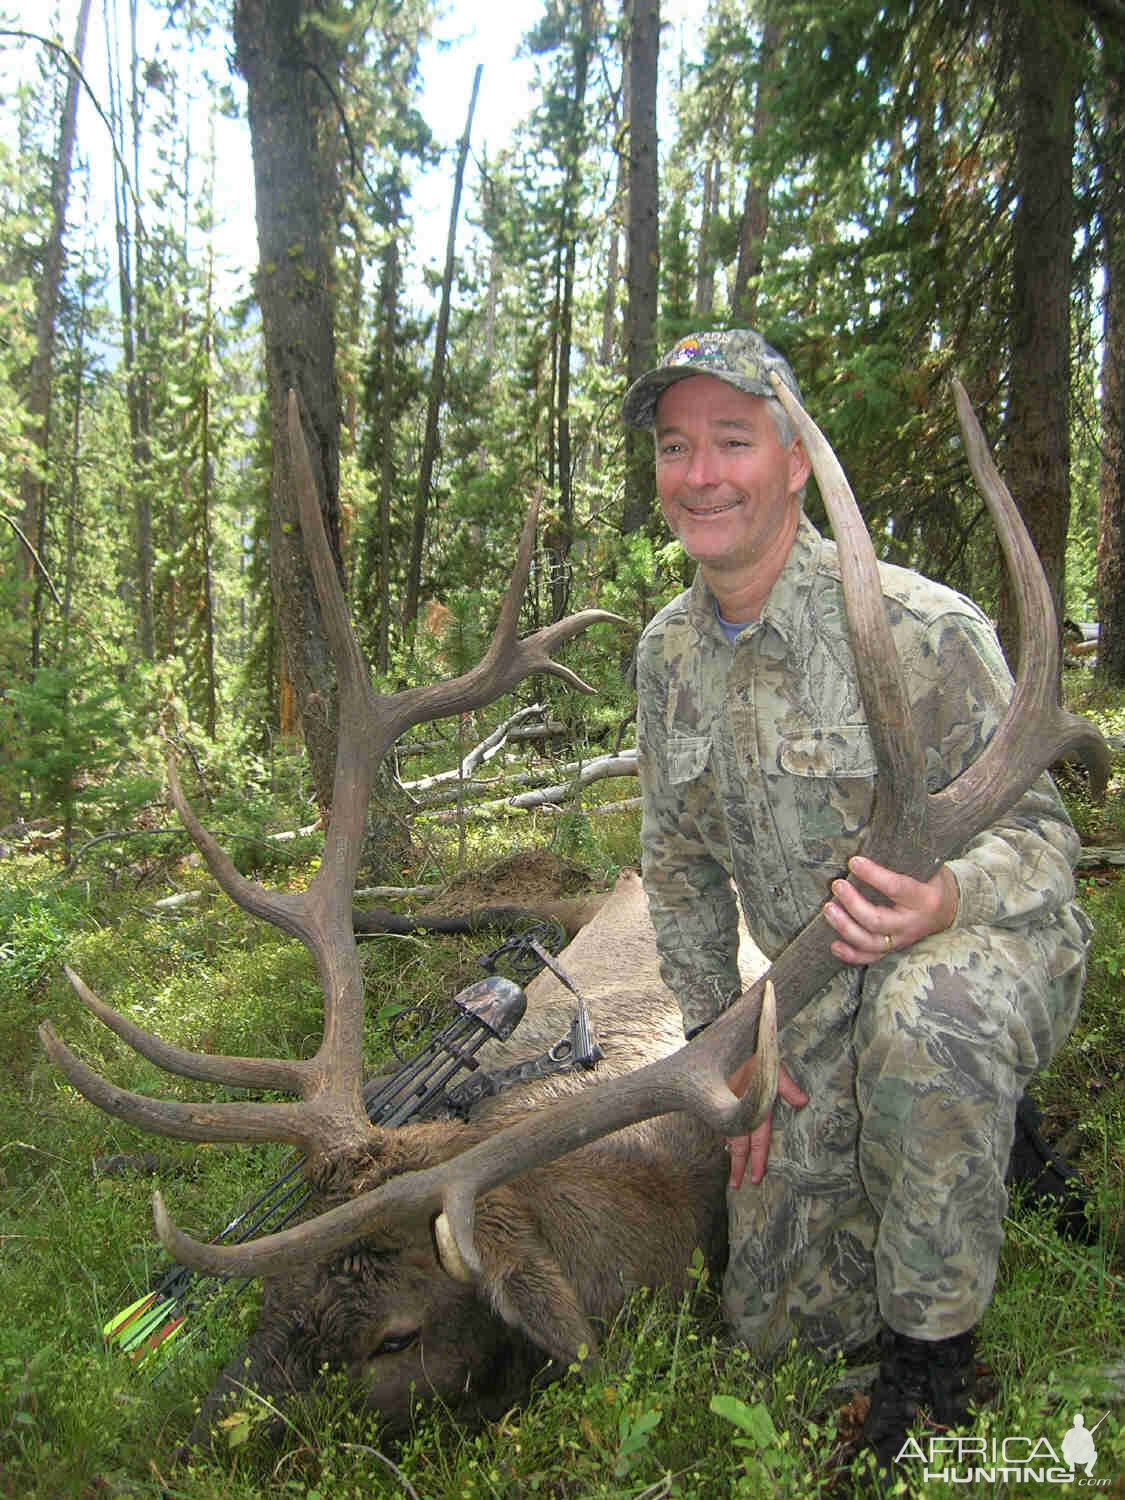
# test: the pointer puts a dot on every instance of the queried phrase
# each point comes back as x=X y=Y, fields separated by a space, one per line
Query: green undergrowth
x=673 y=1408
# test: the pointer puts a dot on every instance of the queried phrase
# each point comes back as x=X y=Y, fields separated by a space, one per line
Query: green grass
x=674 y=1409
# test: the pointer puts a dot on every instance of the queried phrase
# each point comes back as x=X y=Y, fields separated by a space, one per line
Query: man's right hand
x=755 y=1147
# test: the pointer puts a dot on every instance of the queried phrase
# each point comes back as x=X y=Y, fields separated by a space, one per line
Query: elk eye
x=396 y=1342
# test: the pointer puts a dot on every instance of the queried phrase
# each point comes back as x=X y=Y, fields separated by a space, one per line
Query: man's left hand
x=915 y=909
x=753 y=1150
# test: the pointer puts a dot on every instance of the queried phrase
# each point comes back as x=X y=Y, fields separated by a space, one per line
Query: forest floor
x=677 y=1409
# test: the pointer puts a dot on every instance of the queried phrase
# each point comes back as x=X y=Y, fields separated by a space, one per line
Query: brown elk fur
x=561 y=1247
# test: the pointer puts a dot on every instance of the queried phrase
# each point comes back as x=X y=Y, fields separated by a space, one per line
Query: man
x=881 y=1209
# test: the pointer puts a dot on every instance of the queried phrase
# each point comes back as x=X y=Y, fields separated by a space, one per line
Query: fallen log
x=594 y=770
x=1092 y=857
x=504 y=809
x=484 y=751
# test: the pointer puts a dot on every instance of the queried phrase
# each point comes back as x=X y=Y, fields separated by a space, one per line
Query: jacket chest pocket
x=692 y=783
x=688 y=757
x=826 y=781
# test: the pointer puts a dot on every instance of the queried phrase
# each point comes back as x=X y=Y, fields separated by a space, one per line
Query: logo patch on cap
x=685 y=350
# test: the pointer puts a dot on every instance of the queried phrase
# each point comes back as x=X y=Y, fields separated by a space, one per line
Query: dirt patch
x=533 y=878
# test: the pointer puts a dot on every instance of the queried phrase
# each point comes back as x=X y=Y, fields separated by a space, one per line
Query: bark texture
x=290 y=71
x=1111 y=477
x=643 y=268
x=1038 y=418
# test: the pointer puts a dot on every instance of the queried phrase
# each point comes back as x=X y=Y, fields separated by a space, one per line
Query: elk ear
x=519 y=1278
x=530 y=1292
x=534 y=1295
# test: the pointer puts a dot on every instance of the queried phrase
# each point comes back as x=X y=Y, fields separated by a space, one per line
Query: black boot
x=1044 y=1176
x=935 y=1376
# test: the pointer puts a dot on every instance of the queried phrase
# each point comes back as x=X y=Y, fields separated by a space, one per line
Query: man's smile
x=709 y=510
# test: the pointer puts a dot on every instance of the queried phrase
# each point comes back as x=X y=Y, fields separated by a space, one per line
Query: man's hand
x=755 y=1148
x=916 y=909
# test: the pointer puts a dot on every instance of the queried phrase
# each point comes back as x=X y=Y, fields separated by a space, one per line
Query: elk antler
x=330 y=1115
x=911 y=831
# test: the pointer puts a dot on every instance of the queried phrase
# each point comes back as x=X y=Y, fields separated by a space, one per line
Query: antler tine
x=283 y=1073
x=1035 y=722
x=508 y=659
x=901 y=813
x=254 y=1124
x=298 y=913
x=536 y=648
x=283 y=909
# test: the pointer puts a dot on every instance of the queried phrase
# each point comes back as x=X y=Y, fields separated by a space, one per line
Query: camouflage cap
x=740 y=357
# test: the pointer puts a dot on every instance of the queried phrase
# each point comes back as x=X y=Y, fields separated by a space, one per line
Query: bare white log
x=296 y=833
x=483 y=811
x=1092 y=856
x=477 y=756
x=181 y=898
x=548 y=798
x=551 y=730
x=531 y=779
x=398 y=892
x=628 y=804
x=624 y=764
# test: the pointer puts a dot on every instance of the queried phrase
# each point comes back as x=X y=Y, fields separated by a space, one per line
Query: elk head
x=911 y=831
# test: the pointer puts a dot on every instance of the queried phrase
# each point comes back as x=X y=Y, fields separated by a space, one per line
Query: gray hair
x=786 y=432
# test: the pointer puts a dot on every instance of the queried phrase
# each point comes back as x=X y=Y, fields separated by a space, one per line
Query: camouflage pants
x=884 y=1196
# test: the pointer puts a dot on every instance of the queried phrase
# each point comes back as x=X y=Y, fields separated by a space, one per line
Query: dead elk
x=561 y=1248
x=392 y=1197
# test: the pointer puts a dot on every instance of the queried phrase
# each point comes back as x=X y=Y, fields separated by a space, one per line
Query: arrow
x=491 y=1007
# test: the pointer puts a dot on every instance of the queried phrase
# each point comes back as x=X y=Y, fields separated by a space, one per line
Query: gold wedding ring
x=886 y=942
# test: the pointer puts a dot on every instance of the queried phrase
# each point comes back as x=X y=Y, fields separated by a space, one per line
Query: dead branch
x=594 y=770
x=487 y=748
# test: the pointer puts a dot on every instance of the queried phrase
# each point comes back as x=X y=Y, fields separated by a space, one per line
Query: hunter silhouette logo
x=1016 y=1459
x=1078 y=1445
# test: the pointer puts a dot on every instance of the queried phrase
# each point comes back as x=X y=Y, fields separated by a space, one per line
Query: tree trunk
x=613 y=228
x=33 y=482
x=205 y=500
x=705 y=254
x=137 y=391
x=642 y=18
x=1111 y=474
x=1037 y=457
x=562 y=538
x=437 y=380
x=291 y=71
x=492 y=299
x=388 y=298
x=75 y=487
x=755 y=209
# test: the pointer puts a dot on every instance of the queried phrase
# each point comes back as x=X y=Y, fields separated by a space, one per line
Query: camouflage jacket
x=756 y=763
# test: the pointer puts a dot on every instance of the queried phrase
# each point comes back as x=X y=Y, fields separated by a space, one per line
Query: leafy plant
x=34 y=930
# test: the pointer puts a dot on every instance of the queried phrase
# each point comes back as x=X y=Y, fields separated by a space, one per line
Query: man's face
x=727 y=487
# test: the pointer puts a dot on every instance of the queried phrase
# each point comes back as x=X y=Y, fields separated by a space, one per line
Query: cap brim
x=638 y=409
